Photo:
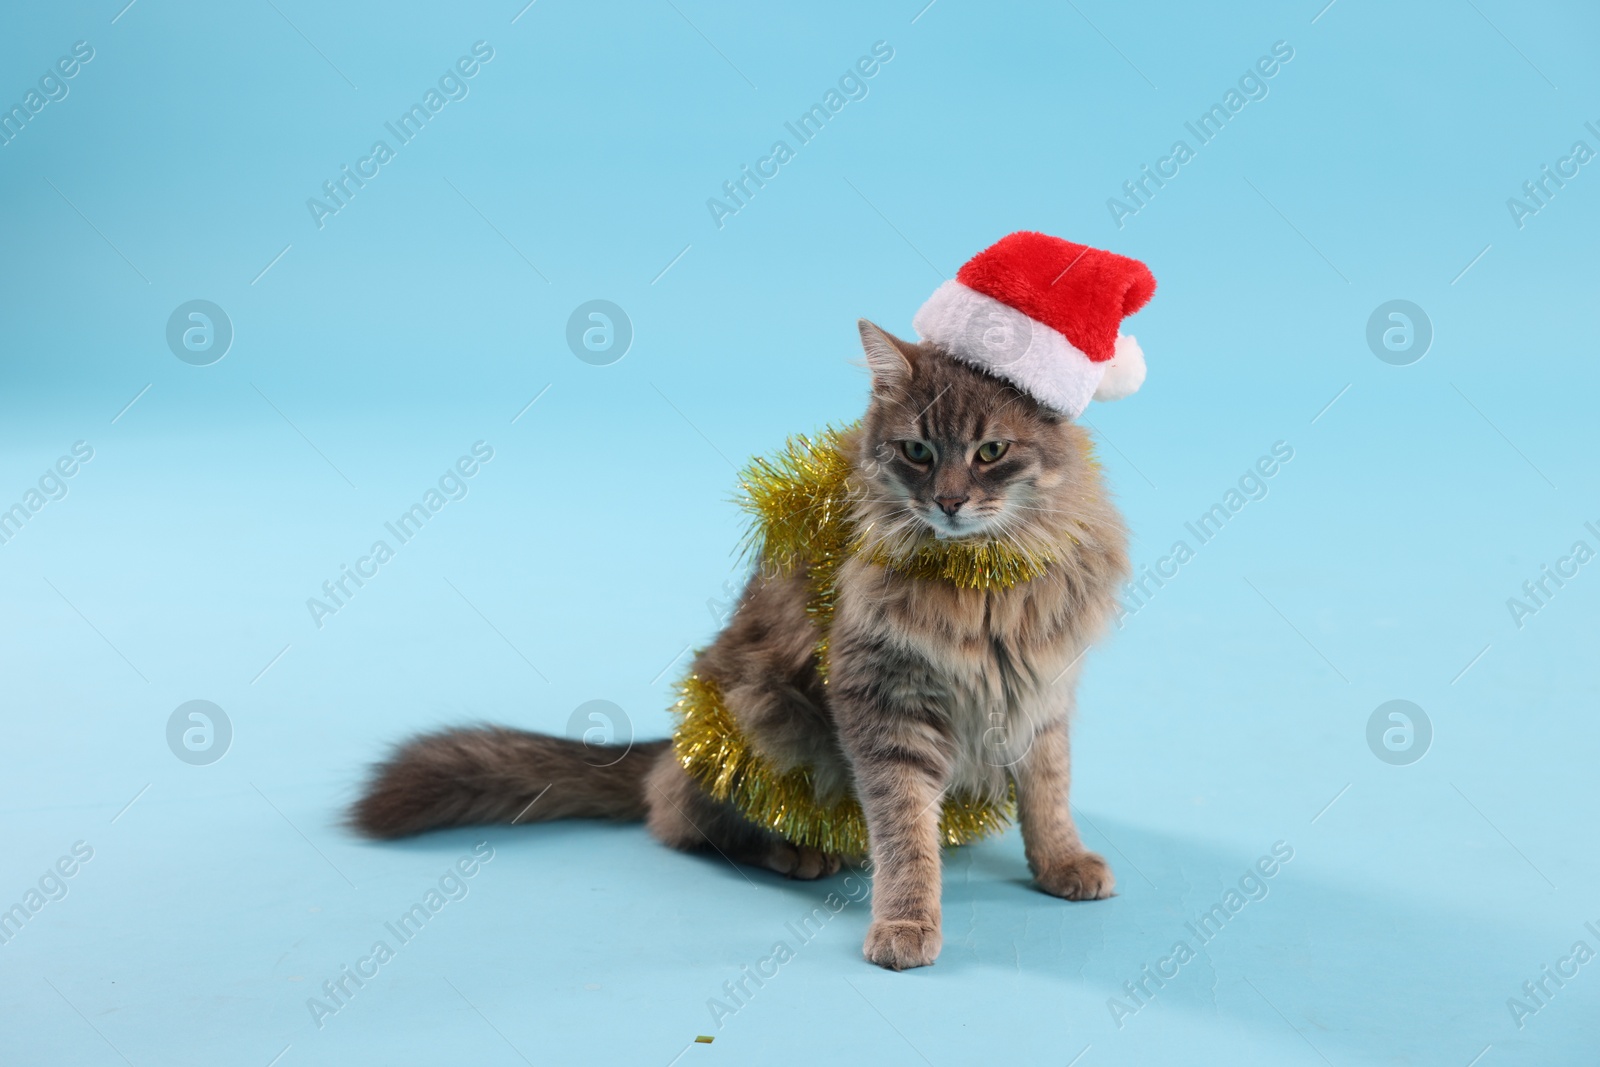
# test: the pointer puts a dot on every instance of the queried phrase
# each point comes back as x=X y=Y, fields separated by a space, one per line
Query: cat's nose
x=950 y=504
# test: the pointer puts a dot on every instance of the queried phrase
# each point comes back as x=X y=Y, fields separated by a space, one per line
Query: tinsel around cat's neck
x=801 y=502
x=804 y=521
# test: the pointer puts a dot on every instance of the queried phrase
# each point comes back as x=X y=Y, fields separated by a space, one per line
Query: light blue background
x=1220 y=719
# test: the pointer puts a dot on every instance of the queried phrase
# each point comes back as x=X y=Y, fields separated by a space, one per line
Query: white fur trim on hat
x=1040 y=361
x=1124 y=373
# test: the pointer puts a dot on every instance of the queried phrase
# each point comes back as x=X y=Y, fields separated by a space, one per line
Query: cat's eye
x=917 y=451
x=990 y=451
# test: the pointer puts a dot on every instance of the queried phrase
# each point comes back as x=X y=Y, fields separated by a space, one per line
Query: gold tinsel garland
x=711 y=748
x=800 y=502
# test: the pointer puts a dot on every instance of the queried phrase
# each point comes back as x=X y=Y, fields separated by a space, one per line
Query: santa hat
x=1045 y=315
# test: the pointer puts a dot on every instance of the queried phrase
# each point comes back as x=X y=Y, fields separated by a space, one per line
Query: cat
x=931 y=688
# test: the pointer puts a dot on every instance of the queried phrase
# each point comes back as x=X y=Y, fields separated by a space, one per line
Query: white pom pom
x=1124 y=373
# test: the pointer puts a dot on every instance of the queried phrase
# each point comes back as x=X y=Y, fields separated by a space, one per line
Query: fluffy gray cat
x=931 y=688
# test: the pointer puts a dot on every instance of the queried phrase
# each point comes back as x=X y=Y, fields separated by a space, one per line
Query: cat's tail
x=492 y=774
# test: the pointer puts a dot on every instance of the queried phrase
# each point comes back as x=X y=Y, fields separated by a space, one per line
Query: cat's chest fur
x=995 y=662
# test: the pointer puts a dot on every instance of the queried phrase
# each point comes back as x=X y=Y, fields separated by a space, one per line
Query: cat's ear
x=886 y=355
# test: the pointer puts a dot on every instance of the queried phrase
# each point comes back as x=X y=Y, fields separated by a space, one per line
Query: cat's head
x=948 y=450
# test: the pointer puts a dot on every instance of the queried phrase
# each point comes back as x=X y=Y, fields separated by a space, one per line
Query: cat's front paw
x=1082 y=876
x=901 y=943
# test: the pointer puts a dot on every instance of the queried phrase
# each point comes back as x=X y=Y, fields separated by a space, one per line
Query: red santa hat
x=1045 y=315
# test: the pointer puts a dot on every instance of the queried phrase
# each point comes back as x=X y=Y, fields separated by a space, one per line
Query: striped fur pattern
x=930 y=687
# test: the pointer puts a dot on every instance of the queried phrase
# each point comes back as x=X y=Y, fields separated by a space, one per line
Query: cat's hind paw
x=798 y=861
